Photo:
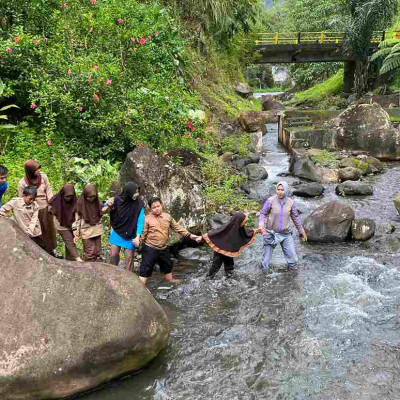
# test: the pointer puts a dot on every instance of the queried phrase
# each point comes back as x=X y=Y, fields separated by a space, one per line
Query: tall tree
x=367 y=16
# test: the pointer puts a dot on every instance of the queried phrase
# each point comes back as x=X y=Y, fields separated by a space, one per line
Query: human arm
x=183 y=232
x=297 y=222
x=76 y=227
x=34 y=222
x=145 y=231
x=263 y=213
x=108 y=206
x=48 y=191
x=7 y=208
x=21 y=187
x=139 y=228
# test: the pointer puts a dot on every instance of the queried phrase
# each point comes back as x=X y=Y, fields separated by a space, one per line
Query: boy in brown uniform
x=26 y=213
x=155 y=237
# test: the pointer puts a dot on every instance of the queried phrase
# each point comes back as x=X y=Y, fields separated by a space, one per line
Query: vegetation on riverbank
x=94 y=79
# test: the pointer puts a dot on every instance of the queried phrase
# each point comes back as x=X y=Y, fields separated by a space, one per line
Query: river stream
x=329 y=331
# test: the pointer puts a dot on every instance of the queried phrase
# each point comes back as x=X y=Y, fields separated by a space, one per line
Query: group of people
x=40 y=214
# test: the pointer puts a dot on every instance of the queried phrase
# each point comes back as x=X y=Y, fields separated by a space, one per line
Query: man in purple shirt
x=279 y=209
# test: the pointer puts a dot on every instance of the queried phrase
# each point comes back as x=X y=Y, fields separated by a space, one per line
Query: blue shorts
x=117 y=240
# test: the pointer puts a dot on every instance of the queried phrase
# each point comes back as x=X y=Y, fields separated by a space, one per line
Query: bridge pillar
x=348 y=76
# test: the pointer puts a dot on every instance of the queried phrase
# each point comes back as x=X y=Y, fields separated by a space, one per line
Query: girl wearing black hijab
x=227 y=242
x=62 y=206
x=127 y=221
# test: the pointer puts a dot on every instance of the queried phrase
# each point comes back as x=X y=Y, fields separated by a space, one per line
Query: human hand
x=2 y=214
x=110 y=202
x=198 y=239
x=136 y=242
x=76 y=238
x=303 y=236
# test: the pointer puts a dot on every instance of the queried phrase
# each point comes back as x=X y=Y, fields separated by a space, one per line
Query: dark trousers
x=48 y=235
x=218 y=260
x=151 y=257
x=91 y=248
x=39 y=241
x=71 y=252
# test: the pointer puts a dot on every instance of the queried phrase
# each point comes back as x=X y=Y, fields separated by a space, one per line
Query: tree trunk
x=361 y=77
x=348 y=77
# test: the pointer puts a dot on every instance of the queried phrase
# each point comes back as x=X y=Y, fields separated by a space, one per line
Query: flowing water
x=330 y=331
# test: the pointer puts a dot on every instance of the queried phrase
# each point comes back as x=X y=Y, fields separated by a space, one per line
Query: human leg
x=128 y=260
x=39 y=241
x=48 y=235
x=289 y=251
x=71 y=252
x=165 y=262
x=216 y=265
x=97 y=246
x=149 y=258
x=228 y=266
x=268 y=249
x=114 y=254
x=89 y=250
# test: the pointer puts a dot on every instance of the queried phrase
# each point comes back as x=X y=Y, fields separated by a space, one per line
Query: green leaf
x=8 y=107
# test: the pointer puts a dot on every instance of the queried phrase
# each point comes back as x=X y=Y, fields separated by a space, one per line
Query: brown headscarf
x=62 y=209
x=231 y=238
x=31 y=166
x=90 y=212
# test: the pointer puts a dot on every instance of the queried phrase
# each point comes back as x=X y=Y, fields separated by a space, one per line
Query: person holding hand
x=274 y=224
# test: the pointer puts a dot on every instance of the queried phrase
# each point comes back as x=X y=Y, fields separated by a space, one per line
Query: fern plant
x=389 y=50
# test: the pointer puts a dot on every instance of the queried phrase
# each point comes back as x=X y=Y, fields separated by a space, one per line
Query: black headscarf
x=230 y=238
x=89 y=212
x=62 y=209
x=125 y=212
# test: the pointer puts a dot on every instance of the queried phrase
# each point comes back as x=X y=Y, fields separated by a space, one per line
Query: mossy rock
x=363 y=166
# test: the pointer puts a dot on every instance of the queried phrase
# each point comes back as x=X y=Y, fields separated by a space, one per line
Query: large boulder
x=256 y=141
x=269 y=103
x=350 y=188
x=309 y=190
x=241 y=162
x=67 y=327
x=179 y=187
x=356 y=163
x=396 y=202
x=214 y=221
x=305 y=168
x=253 y=121
x=349 y=174
x=386 y=238
x=362 y=229
x=255 y=172
x=367 y=127
x=329 y=223
x=243 y=90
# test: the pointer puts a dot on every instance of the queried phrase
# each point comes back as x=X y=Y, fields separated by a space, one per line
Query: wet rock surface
x=67 y=327
x=362 y=229
x=349 y=174
x=243 y=90
x=329 y=223
x=255 y=172
x=309 y=190
x=350 y=188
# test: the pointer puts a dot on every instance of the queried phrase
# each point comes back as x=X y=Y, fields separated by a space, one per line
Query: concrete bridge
x=300 y=47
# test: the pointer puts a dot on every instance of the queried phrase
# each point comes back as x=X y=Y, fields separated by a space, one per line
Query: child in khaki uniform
x=26 y=214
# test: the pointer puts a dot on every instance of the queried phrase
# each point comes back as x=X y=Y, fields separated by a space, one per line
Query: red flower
x=69 y=72
x=89 y=79
x=190 y=126
x=95 y=67
x=46 y=39
x=120 y=21
x=93 y=1
x=108 y=82
x=95 y=97
x=33 y=106
x=142 y=40
x=35 y=42
x=80 y=108
x=16 y=39
x=9 y=50
x=49 y=143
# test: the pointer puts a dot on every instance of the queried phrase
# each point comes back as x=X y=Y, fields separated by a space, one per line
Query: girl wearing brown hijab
x=62 y=206
x=89 y=211
x=34 y=177
x=227 y=242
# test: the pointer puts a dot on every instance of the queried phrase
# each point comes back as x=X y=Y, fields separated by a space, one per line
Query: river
x=329 y=331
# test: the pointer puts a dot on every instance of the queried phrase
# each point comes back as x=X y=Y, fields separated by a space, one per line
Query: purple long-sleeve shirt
x=279 y=215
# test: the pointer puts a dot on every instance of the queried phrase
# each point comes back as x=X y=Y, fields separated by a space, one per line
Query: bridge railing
x=275 y=38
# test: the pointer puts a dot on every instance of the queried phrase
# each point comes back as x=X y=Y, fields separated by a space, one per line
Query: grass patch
x=269 y=90
x=326 y=159
x=330 y=87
